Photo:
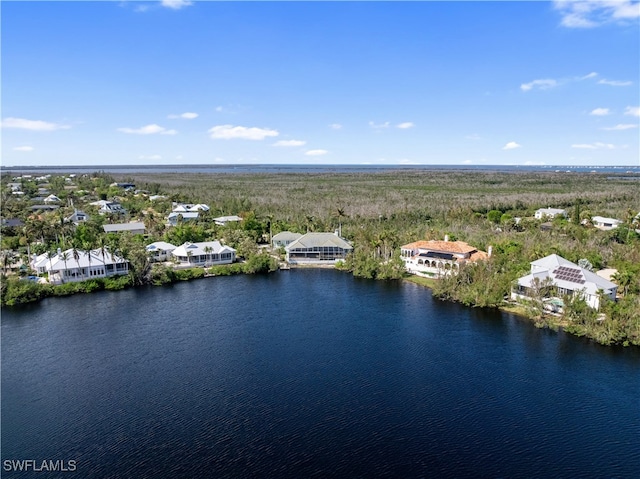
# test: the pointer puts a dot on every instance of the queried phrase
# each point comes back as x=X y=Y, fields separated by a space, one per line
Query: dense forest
x=377 y=212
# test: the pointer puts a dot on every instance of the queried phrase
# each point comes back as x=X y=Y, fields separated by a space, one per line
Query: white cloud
x=386 y=124
x=600 y=112
x=593 y=13
x=467 y=162
x=548 y=83
x=316 y=152
x=595 y=146
x=407 y=161
x=149 y=157
x=335 y=126
x=186 y=116
x=24 y=148
x=290 y=143
x=406 y=125
x=620 y=126
x=176 y=4
x=475 y=136
x=615 y=82
x=512 y=145
x=229 y=132
x=33 y=125
x=148 y=130
x=632 y=110
x=540 y=84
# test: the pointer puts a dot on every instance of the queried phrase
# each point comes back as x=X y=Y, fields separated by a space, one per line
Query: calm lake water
x=309 y=373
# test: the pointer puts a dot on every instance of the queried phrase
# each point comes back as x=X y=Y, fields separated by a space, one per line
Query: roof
x=286 y=236
x=184 y=215
x=459 y=247
x=57 y=261
x=198 y=249
x=602 y=219
x=565 y=274
x=160 y=246
x=317 y=240
x=114 y=228
x=225 y=219
x=551 y=211
x=12 y=222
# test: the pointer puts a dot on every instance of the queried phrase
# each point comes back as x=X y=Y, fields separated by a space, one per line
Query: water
x=293 y=168
x=309 y=373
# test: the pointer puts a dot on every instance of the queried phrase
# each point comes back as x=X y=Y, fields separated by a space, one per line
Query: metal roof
x=318 y=240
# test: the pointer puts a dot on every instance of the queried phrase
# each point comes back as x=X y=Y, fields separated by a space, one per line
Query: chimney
x=446 y=237
x=489 y=251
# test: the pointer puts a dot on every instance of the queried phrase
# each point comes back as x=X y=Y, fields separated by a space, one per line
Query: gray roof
x=115 y=228
x=286 y=236
x=317 y=240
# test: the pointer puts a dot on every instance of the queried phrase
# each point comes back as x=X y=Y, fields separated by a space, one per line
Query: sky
x=380 y=83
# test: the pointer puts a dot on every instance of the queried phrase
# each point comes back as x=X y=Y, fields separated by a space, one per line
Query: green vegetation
x=378 y=212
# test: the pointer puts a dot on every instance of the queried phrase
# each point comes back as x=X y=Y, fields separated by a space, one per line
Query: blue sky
x=100 y=83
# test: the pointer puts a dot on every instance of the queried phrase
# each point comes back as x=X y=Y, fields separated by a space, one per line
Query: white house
x=189 y=208
x=77 y=217
x=204 y=254
x=317 y=248
x=135 y=227
x=175 y=216
x=566 y=278
x=223 y=220
x=160 y=250
x=605 y=224
x=63 y=267
x=284 y=238
x=550 y=213
x=109 y=207
x=438 y=258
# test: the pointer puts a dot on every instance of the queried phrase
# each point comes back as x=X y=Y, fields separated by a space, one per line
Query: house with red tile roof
x=434 y=259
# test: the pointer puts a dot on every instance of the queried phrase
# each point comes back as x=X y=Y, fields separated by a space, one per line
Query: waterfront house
x=317 y=248
x=563 y=278
x=224 y=220
x=160 y=251
x=284 y=238
x=135 y=228
x=206 y=253
x=64 y=267
x=435 y=259
x=549 y=213
x=605 y=224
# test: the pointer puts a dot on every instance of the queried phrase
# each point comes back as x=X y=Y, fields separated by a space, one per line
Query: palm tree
x=208 y=250
x=64 y=256
x=75 y=252
x=340 y=214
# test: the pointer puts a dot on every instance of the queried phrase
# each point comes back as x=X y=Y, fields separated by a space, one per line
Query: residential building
x=109 y=207
x=317 y=248
x=605 y=224
x=204 y=254
x=549 y=213
x=63 y=267
x=175 y=217
x=77 y=217
x=564 y=278
x=223 y=220
x=136 y=228
x=160 y=251
x=189 y=208
x=284 y=238
x=435 y=259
